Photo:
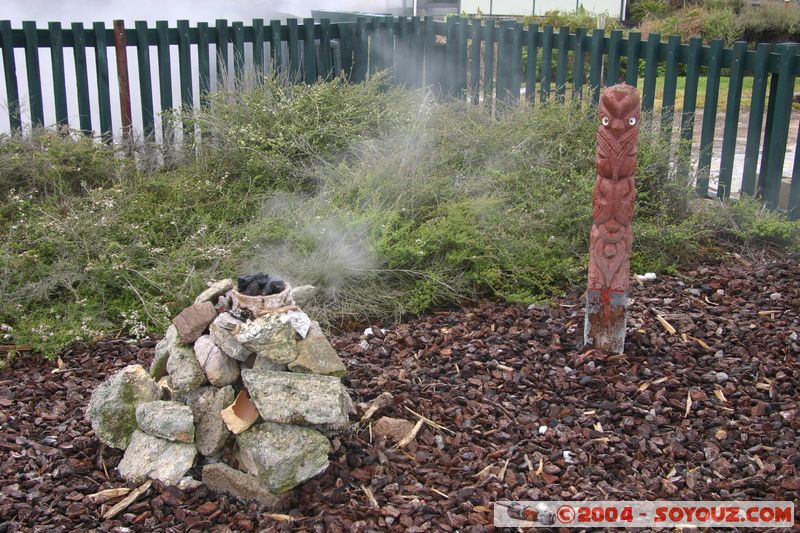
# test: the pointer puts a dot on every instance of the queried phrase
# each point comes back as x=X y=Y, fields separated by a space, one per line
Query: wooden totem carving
x=612 y=210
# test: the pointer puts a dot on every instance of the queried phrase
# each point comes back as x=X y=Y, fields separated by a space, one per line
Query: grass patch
x=388 y=201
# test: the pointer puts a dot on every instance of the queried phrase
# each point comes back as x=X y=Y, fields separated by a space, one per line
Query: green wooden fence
x=484 y=62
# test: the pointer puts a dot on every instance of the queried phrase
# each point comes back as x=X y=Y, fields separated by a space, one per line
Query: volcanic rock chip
x=220 y=477
x=393 y=429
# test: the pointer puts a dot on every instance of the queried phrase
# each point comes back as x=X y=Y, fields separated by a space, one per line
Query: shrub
x=771 y=23
x=648 y=9
x=49 y=164
x=572 y=20
x=388 y=201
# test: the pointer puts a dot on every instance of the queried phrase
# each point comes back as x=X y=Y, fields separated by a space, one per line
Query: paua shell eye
x=632 y=121
x=604 y=121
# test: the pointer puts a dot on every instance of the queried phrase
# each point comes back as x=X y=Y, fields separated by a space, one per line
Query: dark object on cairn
x=260 y=284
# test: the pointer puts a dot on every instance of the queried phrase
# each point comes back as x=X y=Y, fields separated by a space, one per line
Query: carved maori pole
x=612 y=210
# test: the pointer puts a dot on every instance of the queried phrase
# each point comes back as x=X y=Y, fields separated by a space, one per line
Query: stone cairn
x=244 y=389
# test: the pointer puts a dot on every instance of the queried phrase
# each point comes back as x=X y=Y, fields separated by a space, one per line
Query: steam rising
x=323 y=250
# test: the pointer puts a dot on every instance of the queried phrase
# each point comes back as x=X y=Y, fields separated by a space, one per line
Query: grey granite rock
x=282 y=456
x=315 y=355
x=210 y=430
x=214 y=291
x=303 y=295
x=158 y=368
x=166 y=420
x=112 y=407
x=154 y=458
x=220 y=369
x=221 y=478
x=222 y=333
x=184 y=369
x=271 y=337
x=321 y=402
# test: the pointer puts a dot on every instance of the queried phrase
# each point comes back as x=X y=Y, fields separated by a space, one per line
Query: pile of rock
x=243 y=389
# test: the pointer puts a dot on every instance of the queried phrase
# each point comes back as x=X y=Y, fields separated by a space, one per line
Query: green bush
x=647 y=9
x=49 y=164
x=770 y=23
x=570 y=19
x=708 y=23
x=388 y=201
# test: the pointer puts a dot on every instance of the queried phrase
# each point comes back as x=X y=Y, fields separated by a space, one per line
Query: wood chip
x=383 y=400
x=430 y=422
x=108 y=494
x=370 y=496
x=280 y=517
x=122 y=505
x=411 y=434
x=666 y=325
x=688 y=403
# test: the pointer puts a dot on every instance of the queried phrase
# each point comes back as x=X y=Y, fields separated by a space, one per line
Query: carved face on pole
x=619 y=132
x=612 y=211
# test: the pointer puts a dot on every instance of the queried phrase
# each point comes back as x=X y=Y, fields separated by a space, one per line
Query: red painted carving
x=612 y=210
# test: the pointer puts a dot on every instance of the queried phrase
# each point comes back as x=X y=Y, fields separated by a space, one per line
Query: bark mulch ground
x=707 y=412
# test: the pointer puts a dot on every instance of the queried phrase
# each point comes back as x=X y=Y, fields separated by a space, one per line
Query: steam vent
x=243 y=392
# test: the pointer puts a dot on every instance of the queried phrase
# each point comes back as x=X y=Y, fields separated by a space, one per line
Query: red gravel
x=492 y=375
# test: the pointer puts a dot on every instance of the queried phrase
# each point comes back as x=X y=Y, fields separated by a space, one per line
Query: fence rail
x=480 y=61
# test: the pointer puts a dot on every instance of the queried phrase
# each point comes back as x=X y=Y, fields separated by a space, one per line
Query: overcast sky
x=66 y=11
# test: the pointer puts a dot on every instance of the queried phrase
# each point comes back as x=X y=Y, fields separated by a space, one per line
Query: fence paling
x=689 y=103
x=59 y=76
x=561 y=65
x=596 y=64
x=478 y=58
x=632 y=65
x=650 y=71
x=103 y=90
x=145 y=79
x=780 y=125
x=709 y=116
x=670 y=86
x=757 y=100
x=731 y=120
x=578 y=63
x=121 y=55
x=614 y=53
x=547 y=66
x=32 y=69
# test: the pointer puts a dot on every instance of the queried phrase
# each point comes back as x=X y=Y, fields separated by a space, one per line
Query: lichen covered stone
x=155 y=458
x=315 y=355
x=166 y=420
x=112 y=407
x=321 y=402
x=283 y=456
